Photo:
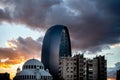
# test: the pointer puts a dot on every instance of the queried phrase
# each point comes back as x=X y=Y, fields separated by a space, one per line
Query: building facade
x=56 y=44
x=89 y=69
x=118 y=75
x=72 y=68
x=4 y=76
x=33 y=70
x=96 y=68
x=100 y=68
x=80 y=68
x=68 y=68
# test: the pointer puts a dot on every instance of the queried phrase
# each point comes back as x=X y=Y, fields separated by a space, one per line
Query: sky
x=94 y=27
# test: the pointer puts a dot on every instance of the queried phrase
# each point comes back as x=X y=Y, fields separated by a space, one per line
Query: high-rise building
x=100 y=68
x=4 y=76
x=89 y=69
x=72 y=68
x=96 y=68
x=56 y=44
x=68 y=68
x=80 y=68
x=118 y=75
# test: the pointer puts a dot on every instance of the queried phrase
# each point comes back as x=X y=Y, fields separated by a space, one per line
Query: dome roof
x=26 y=72
x=33 y=64
x=44 y=73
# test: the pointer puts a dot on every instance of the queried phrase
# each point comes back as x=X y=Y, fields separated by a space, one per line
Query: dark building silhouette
x=56 y=44
x=118 y=75
x=4 y=76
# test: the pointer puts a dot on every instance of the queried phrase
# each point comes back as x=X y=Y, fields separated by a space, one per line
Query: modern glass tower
x=56 y=44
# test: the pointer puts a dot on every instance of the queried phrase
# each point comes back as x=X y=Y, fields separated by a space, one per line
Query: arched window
x=35 y=66
x=33 y=77
x=27 y=77
x=40 y=67
x=24 y=76
x=30 y=76
x=29 y=66
x=26 y=67
x=21 y=77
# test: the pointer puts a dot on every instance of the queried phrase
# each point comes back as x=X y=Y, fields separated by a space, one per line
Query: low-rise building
x=33 y=70
x=4 y=76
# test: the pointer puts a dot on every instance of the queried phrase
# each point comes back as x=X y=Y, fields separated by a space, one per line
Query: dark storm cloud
x=30 y=12
x=93 y=24
x=4 y=15
x=112 y=71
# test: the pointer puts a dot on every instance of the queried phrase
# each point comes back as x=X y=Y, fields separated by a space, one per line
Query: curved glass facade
x=56 y=44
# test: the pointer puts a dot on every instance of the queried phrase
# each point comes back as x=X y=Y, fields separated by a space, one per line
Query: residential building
x=72 y=68
x=80 y=68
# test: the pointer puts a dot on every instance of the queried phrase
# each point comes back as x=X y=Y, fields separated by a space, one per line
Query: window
x=40 y=67
x=25 y=77
x=35 y=66
x=31 y=66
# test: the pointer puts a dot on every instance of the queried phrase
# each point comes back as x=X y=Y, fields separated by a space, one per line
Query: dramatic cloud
x=93 y=24
x=18 y=51
x=30 y=12
x=112 y=71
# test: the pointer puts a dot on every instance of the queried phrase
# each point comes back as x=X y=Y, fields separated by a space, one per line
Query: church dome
x=32 y=69
x=44 y=73
x=26 y=72
x=33 y=64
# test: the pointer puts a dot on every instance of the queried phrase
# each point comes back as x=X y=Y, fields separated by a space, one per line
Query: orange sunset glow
x=11 y=68
x=111 y=79
x=14 y=55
